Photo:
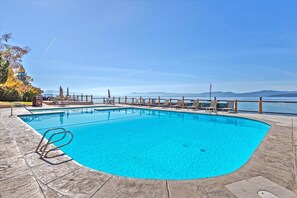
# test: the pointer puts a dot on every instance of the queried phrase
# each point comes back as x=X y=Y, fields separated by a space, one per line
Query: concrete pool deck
x=23 y=174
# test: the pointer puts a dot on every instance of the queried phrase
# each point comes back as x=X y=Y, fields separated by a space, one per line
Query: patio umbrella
x=108 y=93
x=61 y=92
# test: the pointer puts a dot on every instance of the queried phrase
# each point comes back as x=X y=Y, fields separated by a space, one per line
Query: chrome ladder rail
x=42 y=149
x=20 y=104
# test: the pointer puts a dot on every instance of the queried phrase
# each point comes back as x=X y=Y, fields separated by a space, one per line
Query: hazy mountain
x=263 y=93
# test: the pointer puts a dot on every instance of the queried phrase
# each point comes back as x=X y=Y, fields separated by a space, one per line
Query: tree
x=11 y=53
x=3 y=70
x=22 y=76
x=16 y=84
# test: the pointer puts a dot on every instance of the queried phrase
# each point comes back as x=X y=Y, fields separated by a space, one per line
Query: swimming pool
x=154 y=144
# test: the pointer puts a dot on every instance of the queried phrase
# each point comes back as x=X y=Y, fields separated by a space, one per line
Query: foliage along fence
x=14 y=95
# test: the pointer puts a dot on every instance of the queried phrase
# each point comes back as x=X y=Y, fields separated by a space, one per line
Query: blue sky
x=171 y=46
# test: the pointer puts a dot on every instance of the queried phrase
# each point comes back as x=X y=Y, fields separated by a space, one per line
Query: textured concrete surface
x=251 y=187
x=24 y=174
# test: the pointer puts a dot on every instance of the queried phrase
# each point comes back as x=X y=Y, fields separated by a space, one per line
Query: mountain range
x=263 y=93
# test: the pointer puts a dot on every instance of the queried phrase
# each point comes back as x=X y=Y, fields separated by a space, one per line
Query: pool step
x=109 y=108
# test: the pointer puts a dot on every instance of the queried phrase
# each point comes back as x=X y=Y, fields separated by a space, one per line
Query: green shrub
x=9 y=95
x=28 y=96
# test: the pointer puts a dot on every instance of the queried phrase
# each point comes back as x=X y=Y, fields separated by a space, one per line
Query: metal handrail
x=41 y=150
x=22 y=105
x=44 y=152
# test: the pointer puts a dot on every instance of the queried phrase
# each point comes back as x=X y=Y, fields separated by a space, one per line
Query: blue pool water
x=151 y=144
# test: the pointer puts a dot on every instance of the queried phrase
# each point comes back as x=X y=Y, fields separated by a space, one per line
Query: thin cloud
x=50 y=45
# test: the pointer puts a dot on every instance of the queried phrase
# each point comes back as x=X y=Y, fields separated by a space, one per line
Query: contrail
x=50 y=45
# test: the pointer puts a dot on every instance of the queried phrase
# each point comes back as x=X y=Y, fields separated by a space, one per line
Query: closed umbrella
x=61 y=92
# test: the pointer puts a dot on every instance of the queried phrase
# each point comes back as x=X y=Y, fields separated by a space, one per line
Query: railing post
x=87 y=98
x=113 y=100
x=235 y=106
x=260 y=106
x=183 y=102
x=125 y=99
x=170 y=102
x=132 y=101
x=91 y=98
x=159 y=101
x=81 y=99
x=11 y=111
x=104 y=100
x=119 y=100
x=77 y=97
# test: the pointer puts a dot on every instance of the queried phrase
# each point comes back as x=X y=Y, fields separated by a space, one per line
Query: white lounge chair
x=194 y=106
x=165 y=104
x=229 y=108
x=212 y=107
x=178 y=104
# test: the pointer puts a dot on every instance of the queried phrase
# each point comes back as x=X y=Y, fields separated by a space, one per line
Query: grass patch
x=5 y=103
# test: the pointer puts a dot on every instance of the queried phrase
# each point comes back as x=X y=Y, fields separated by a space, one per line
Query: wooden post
x=235 y=106
x=119 y=100
x=132 y=101
x=183 y=102
x=125 y=99
x=91 y=98
x=159 y=104
x=260 y=106
x=170 y=102
x=86 y=98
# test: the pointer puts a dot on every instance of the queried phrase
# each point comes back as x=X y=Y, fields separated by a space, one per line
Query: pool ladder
x=43 y=150
x=19 y=104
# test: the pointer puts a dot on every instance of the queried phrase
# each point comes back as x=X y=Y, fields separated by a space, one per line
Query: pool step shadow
x=57 y=159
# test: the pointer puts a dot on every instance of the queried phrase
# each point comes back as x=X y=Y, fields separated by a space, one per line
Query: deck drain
x=266 y=194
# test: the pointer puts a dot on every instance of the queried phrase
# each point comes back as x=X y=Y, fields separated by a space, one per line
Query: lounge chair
x=130 y=102
x=229 y=108
x=147 y=102
x=152 y=103
x=178 y=104
x=142 y=102
x=136 y=102
x=195 y=105
x=165 y=104
x=109 y=101
x=62 y=103
x=212 y=107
